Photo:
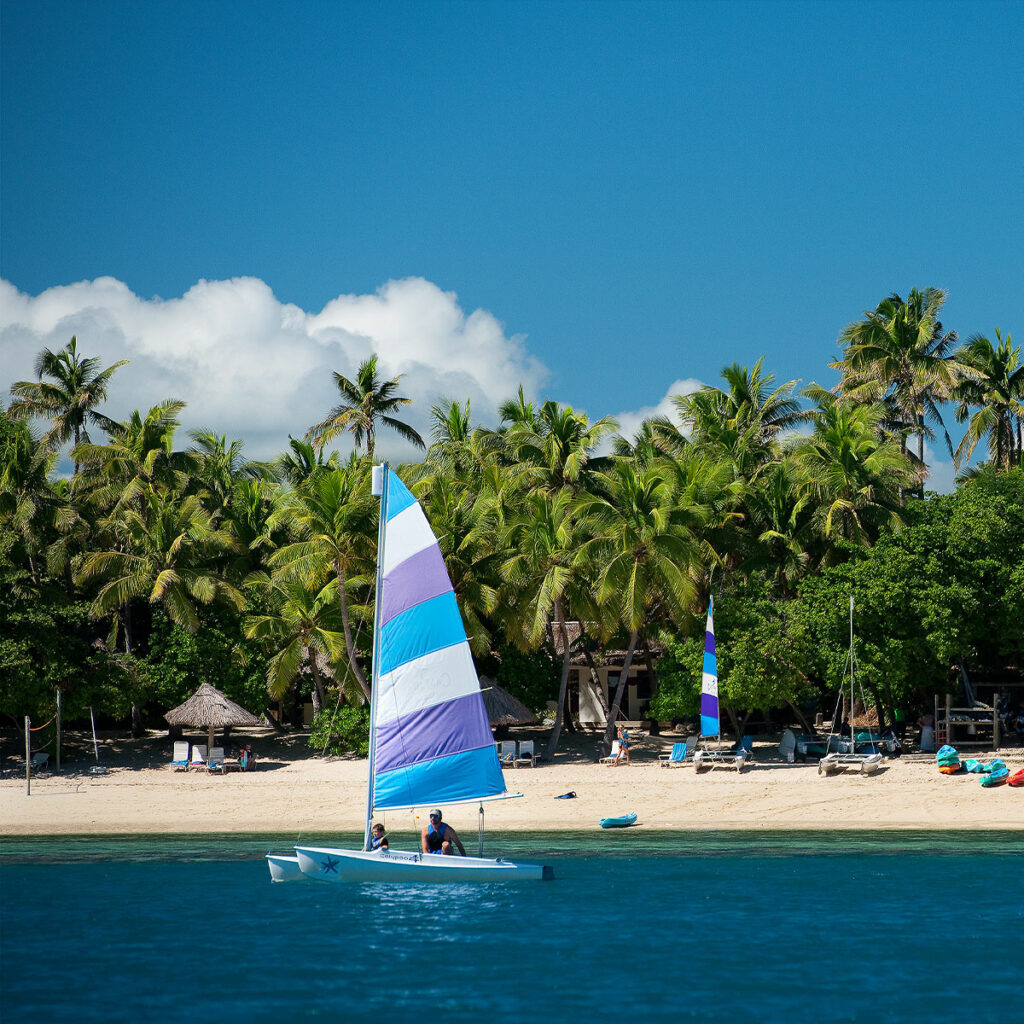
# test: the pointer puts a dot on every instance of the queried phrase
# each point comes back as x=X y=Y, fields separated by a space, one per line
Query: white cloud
x=256 y=368
x=941 y=475
x=631 y=421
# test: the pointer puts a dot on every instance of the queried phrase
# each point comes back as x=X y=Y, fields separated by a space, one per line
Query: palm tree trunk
x=549 y=750
x=318 y=686
x=609 y=729
x=347 y=626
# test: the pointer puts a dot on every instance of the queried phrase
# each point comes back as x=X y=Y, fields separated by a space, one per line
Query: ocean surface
x=637 y=925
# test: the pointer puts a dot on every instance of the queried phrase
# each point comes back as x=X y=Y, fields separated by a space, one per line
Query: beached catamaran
x=710 y=724
x=430 y=740
x=840 y=760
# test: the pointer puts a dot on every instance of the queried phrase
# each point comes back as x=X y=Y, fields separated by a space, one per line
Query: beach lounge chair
x=179 y=761
x=40 y=761
x=198 y=756
x=613 y=756
x=677 y=757
x=526 y=754
x=507 y=753
x=216 y=761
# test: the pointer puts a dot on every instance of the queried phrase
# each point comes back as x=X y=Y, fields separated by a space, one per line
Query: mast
x=853 y=744
x=378 y=487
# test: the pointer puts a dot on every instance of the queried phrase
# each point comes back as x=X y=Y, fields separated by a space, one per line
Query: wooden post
x=58 y=728
x=995 y=721
x=28 y=756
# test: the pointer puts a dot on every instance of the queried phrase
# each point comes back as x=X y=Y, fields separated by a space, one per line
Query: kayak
x=996 y=778
x=622 y=821
x=1016 y=779
x=950 y=769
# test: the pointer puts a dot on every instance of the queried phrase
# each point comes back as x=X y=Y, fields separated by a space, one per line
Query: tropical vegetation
x=155 y=566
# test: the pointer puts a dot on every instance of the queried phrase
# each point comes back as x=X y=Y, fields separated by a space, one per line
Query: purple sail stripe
x=437 y=731
x=709 y=704
x=417 y=579
x=709 y=643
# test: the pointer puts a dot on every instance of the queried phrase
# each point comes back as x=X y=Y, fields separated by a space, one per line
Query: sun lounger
x=680 y=751
x=613 y=756
x=40 y=761
x=216 y=761
x=507 y=753
x=735 y=758
x=198 y=756
x=526 y=758
x=787 y=746
x=179 y=762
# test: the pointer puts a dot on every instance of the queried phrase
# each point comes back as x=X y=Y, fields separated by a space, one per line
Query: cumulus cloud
x=253 y=367
x=631 y=420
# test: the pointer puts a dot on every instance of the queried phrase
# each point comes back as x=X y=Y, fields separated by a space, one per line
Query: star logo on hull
x=330 y=866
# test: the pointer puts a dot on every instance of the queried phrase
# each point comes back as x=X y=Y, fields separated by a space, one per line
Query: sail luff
x=709 y=715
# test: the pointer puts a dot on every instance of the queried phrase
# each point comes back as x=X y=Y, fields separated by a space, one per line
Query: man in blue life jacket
x=438 y=837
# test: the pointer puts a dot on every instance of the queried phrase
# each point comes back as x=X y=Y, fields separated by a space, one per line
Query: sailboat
x=710 y=724
x=840 y=760
x=430 y=740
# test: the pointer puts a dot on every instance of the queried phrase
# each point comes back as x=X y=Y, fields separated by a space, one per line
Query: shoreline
x=293 y=792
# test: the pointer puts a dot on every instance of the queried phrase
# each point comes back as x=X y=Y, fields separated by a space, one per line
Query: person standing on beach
x=623 y=737
x=438 y=836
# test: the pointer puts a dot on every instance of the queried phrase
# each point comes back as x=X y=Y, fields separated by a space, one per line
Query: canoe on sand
x=622 y=821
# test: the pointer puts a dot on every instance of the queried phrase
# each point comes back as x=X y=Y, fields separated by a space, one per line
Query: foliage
x=530 y=676
x=341 y=730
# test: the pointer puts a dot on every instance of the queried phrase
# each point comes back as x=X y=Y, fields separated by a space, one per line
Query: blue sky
x=598 y=199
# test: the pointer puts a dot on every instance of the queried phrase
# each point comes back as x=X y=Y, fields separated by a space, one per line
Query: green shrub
x=344 y=730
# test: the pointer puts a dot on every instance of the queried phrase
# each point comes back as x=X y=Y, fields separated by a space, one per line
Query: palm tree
x=138 y=456
x=302 y=627
x=646 y=553
x=364 y=401
x=69 y=398
x=900 y=352
x=544 y=576
x=296 y=466
x=852 y=472
x=334 y=518
x=993 y=382
x=166 y=548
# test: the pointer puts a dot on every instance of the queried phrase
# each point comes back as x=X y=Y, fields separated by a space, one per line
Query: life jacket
x=435 y=837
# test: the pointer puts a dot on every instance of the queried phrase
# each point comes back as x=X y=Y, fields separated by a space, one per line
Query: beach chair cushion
x=216 y=761
x=198 y=756
x=180 y=756
x=678 y=755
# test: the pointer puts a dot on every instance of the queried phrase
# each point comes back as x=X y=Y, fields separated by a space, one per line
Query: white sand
x=309 y=795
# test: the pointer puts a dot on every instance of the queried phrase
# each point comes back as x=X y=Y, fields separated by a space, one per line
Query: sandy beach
x=294 y=791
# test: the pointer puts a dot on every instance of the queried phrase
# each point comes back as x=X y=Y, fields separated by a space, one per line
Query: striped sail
x=709 y=679
x=432 y=740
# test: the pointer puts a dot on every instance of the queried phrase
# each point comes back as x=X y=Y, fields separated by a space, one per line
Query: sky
x=604 y=202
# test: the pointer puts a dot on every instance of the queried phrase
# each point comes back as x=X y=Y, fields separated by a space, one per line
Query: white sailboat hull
x=333 y=865
x=284 y=867
x=721 y=759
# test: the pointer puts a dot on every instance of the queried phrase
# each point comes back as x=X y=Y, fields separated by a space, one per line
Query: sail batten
x=709 y=715
x=431 y=735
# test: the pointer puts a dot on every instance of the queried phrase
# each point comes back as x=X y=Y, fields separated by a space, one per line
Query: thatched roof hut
x=210 y=708
x=502 y=708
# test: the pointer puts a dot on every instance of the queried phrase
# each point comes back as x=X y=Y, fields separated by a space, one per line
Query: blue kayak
x=996 y=778
x=622 y=821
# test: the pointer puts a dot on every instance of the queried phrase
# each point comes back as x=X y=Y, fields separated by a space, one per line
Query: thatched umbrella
x=502 y=708
x=209 y=707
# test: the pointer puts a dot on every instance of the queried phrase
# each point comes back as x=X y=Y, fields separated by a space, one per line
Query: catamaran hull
x=833 y=764
x=401 y=866
x=284 y=868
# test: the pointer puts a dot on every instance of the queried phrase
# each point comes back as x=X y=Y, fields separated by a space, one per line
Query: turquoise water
x=795 y=927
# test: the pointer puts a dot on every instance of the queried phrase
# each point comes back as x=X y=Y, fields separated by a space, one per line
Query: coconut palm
x=993 y=383
x=334 y=517
x=138 y=457
x=302 y=460
x=646 y=555
x=69 y=398
x=900 y=352
x=303 y=628
x=364 y=402
x=851 y=471
x=545 y=577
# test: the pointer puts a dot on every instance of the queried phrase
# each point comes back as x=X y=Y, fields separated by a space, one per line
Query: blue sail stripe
x=473 y=774
x=399 y=496
x=709 y=712
x=428 y=627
